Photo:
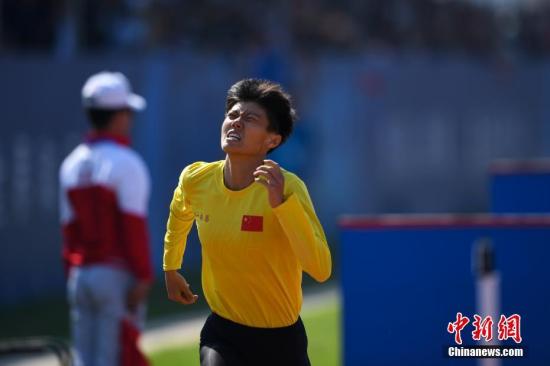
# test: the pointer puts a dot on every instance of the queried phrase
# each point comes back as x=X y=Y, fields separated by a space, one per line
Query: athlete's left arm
x=304 y=231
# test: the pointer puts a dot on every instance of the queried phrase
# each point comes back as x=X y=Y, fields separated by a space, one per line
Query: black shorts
x=238 y=345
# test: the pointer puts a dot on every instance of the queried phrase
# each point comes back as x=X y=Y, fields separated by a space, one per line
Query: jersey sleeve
x=65 y=213
x=304 y=231
x=133 y=186
x=133 y=189
x=179 y=224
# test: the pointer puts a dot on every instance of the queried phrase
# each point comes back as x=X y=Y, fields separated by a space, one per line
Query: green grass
x=323 y=329
x=176 y=356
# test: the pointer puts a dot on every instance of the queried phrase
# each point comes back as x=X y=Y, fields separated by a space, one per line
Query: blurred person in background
x=258 y=231
x=104 y=196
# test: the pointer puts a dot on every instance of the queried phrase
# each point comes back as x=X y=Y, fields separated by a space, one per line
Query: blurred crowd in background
x=479 y=27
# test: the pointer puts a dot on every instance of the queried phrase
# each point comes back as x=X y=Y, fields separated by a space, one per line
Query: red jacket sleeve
x=136 y=246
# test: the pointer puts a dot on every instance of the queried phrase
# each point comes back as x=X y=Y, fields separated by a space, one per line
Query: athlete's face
x=244 y=130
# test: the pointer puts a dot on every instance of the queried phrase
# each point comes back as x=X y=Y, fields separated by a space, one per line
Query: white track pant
x=97 y=297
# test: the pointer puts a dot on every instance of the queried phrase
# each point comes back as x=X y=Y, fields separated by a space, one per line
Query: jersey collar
x=95 y=136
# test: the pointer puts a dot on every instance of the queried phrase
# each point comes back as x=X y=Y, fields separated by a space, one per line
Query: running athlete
x=258 y=232
x=104 y=196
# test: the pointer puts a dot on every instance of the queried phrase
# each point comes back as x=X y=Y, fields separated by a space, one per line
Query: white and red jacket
x=105 y=189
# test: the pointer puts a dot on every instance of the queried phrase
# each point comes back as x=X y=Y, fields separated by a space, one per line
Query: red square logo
x=252 y=223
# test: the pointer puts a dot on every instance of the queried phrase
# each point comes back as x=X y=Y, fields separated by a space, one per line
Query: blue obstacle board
x=404 y=281
x=520 y=188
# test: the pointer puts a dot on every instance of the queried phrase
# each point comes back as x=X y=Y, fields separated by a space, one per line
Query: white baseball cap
x=110 y=90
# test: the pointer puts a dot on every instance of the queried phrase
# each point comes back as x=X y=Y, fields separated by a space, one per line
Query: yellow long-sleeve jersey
x=252 y=255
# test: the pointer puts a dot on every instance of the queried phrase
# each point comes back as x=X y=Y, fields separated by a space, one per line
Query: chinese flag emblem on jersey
x=252 y=223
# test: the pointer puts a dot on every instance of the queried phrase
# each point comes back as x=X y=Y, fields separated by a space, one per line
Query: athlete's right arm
x=179 y=224
x=178 y=289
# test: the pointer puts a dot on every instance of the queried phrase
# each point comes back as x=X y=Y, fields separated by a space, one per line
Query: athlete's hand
x=270 y=175
x=178 y=289
x=137 y=295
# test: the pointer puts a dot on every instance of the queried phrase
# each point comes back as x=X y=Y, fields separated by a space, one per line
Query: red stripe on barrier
x=510 y=167
x=421 y=221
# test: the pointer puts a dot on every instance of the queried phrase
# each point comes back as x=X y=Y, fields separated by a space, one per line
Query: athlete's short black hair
x=101 y=118
x=271 y=97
